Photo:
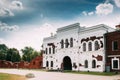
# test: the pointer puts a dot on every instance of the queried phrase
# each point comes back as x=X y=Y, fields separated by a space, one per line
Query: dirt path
x=39 y=75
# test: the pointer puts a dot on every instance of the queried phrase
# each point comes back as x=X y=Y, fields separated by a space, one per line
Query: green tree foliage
x=3 y=51
x=29 y=53
x=13 y=55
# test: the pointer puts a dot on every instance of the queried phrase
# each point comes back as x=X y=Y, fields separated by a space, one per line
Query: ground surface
x=5 y=76
x=41 y=75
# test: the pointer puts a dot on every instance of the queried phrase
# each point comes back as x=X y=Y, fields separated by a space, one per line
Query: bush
x=30 y=75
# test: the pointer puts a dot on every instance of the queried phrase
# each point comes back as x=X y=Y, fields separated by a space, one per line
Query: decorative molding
x=91 y=38
x=99 y=57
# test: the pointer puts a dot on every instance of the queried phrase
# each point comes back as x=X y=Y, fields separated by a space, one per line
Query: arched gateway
x=67 y=65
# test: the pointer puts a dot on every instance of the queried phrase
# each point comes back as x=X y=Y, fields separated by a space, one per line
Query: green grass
x=93 y=73
x=4 y=76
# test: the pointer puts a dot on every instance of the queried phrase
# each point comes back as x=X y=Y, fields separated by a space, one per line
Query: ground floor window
x=93 y=64
x=47 y=64
x=115 y=63
x=51 y=63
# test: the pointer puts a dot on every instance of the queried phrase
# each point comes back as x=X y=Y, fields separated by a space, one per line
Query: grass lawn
x=5 y=76
x=93 y=73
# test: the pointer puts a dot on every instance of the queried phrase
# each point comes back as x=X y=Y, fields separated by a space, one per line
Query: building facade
x=76 y=48
x=113 y=50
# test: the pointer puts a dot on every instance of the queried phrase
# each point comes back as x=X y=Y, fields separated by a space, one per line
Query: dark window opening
x=62 y=44
x=53 y=50
x=93 y=64
x=47 y=64
x=115 y=45
x=71 y=42
x=46 y=51
x=115 y=64
x=96 y=45
x=51 y=63
x=49 y=50
x=84 y=46
x=66 y=43
x=89 y=46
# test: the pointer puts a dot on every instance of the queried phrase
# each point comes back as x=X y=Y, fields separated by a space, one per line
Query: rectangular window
x=115 y=45
x=53 y=50
x=49 y=50
x=115 y=63
x=46 y=51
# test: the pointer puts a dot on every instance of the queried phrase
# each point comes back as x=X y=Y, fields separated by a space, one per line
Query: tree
x=13 y=55
x=29 y=53
x=3 y=51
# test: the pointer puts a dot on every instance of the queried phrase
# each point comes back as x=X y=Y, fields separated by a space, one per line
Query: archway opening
x=67 y=65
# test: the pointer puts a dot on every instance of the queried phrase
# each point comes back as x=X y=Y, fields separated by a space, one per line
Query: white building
x=76 y=48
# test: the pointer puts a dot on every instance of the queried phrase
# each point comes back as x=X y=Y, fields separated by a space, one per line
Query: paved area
x=40 y=75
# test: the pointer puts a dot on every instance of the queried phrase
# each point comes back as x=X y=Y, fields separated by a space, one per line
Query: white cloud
x=84 y=13
x=30 y=37
x=117 y=2
x=87 y=13
x=6 y=27
x=6 y=12
x=90 y=13
x=16 y=5
x=8 y=6
x=104 y=9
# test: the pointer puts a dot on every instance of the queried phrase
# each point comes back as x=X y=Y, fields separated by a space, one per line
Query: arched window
x=84 y=46
x=86 y=63
x=93 y=64
x=47 y=64
x=71 y=42
x=66 y=43
x=62 y=43
x=89 y=46
x=51 y=63
x=49 y=50
x=46 y=50
x=96 y=45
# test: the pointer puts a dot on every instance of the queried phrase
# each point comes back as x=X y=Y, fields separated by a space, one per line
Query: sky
x=27 y=22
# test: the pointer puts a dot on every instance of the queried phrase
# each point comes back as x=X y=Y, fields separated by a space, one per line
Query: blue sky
x=27 y=22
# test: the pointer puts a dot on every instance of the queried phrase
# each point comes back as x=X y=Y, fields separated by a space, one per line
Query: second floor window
x=115 y=45
x=53 y=50
x=84 y=46
x=62 y=43
x=89 y=46
x=96 y=45
x=49 y=50
x=46 y=51
x=71 y=42
x=66 y=43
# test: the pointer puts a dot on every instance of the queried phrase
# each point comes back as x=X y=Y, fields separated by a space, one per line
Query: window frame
x=93 y=63
x=62 y=43
x=71 y=42
x=89 y=46
x=115 y=59
x=47 y=63
x=86 y=63
x=113 y=46
x=84 y=47
x=96 y=45
x=49 y=50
